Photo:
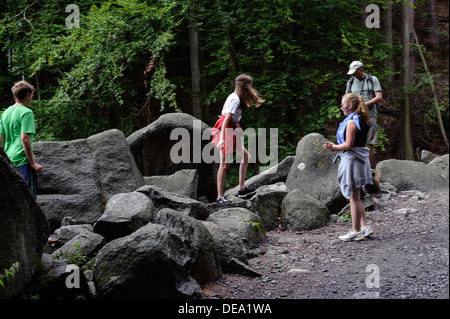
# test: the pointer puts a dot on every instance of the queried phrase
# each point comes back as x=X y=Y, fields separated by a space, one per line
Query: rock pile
x=148 y=226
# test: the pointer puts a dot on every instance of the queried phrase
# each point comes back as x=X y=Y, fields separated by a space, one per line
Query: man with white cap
x=367 y=86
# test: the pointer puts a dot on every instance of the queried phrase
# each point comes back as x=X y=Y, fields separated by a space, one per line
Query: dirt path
x=406 y=257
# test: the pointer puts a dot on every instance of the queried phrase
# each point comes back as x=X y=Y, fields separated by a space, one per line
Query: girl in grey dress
x=354 y=169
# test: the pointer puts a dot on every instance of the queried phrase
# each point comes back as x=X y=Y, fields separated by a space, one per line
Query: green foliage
x=297 y=51
x=8 y=273
x=255 y=226
x=77 y=257
x=347 y=217
x=91 y=77
x=95 y=70
x=130 y=59
x=382 y=139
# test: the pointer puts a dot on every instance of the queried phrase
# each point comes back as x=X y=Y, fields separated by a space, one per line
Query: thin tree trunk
x=435 y=99
x=363 y=6
x=234 y=65
x=38 y=89
x=433 y=39
x=195 y=70
x=388 y=35
x=405 y=112
x=412 y=53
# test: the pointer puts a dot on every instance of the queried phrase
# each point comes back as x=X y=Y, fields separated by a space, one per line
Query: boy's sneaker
x=367 y=231
x=352 y=236
x=223 y=201
x=246 y=193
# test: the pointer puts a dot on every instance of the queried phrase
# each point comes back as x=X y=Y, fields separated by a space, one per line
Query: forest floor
x=407 y=257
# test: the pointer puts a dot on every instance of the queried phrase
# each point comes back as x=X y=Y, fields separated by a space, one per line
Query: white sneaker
x=367 y=231
x=352 y=235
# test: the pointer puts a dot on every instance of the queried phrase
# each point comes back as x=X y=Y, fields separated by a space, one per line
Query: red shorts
x=233 y=134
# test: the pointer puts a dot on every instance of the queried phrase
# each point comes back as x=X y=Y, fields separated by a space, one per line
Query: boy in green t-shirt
x=16 y=133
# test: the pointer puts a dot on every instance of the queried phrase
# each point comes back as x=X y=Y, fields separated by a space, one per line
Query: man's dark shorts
x=372 y=132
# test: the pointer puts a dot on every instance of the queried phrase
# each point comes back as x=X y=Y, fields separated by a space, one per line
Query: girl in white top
x=232 y=106
x=243 y=97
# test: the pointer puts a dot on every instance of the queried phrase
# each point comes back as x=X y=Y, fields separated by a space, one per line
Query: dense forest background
x=129 y=61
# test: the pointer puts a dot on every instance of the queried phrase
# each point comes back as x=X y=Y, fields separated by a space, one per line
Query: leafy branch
x=8 y=273
x=77 y=257
x=255 y=226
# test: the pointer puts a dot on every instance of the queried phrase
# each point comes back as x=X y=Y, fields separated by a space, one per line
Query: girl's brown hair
x=246 y=92
x=358 y=104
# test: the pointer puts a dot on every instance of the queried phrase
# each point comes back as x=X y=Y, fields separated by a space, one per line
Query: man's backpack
x=369 y=79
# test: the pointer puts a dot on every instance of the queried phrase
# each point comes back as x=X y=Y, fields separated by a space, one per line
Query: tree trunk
x=433 y=39
x=363 y=6
x=412 y=53
x=10 y=60
x=405 y=112
x=195 y=71
x=388 y=35
x=234 y=65
x=433 y=90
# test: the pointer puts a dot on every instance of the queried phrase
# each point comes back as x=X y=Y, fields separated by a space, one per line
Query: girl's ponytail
x=362 y=109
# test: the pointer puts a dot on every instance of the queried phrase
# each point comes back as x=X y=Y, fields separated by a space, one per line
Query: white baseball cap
x=354 y=66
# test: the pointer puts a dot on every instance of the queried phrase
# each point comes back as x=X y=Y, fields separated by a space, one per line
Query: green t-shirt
x=16 y=120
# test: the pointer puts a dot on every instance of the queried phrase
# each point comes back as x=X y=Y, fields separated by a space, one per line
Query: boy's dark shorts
x=30 y=177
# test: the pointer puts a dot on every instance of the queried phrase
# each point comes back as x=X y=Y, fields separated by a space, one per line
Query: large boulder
x=427 y=156
x=23 y=229
x=151 y=147
x=65 y=233
x=196 y=244
x=184 y=182
x=83 y=245
x=68 y=168
x=235 y=202
x=165 y=199
x=117 y=170
x=273 y=175
x=144 y=264
x=441 y=164
x=229 y=245
x=267 y=203
x=411 y=175
x=124 y=214
x=80 y=176
x=301 y=211
x=240 y=221
x=50 y=281
x=85 y=208
x=69 y=185
x=314 y=173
